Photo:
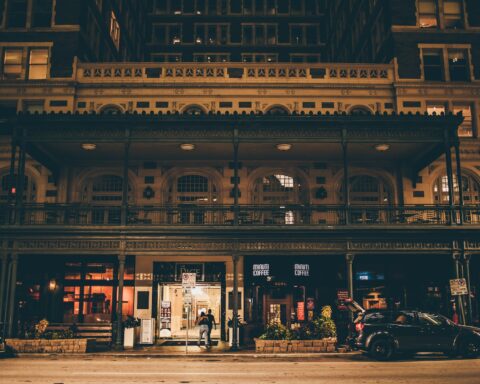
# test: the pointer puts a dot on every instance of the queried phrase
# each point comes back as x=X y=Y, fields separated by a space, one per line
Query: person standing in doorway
x=211 y=323
x=202 y=323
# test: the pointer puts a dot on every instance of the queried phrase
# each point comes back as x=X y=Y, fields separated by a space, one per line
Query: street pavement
x=347 y=369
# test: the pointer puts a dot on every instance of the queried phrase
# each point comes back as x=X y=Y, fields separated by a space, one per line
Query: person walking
x=211 y=323
x=202 y=323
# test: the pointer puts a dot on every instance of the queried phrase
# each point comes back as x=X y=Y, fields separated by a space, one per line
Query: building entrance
x=173 y=319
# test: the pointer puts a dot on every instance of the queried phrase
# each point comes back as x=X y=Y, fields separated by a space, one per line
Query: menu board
x=166 y=319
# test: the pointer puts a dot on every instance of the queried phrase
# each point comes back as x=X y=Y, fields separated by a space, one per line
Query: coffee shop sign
x=261 y=270
x=301 y=270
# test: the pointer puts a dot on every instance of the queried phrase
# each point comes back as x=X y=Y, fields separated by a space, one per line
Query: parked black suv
x=384 y=333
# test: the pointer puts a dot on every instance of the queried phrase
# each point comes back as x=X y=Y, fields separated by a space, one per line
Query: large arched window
x=470 y=189
x=278 y=190
x=105 y=194
x=366 y=189
x=194 y=110
x=190 y=194
x=278 y=110
x=111 y=109
x=29 y=193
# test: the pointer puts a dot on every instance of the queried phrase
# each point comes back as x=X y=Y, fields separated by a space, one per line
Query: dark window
x=149 y=179
x=81 y=104
x=309 y=104
x=58 y=103
x=42 y=13
x=328 y=105
x=17 y=13
x=161 y=104
x=143 y=104
x=245 y=104
x=226 y=104
x=453 y=14
x=432 y=65
x=458 y=65
x=412 y=104
x=418 y=194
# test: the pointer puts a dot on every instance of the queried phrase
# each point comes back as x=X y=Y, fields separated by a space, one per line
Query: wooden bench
x=101 y=332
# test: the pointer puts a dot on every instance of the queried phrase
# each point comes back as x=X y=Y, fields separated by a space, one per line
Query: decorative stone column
x=119 y=327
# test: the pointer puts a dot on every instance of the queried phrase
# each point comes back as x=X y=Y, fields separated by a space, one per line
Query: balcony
x=242 y=216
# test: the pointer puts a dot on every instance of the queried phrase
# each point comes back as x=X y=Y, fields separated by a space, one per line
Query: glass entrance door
x=173 y=320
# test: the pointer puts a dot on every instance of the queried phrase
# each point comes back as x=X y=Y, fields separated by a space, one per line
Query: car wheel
x=381 y=349
x=469 y=348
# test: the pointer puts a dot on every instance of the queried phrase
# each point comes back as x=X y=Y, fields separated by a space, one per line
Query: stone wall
x=295 y=346
x=51 y=346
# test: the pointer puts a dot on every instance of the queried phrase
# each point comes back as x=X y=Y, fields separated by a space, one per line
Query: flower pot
x=129 y=337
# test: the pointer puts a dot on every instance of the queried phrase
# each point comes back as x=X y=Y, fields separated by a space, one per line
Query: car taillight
x=359 y=327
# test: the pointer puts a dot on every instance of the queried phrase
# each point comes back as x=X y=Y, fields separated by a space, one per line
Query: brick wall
x=51 y=346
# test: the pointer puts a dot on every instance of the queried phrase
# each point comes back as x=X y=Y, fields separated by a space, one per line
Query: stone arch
x=470 y=185
x=194 y=110
x=111 y=109
x=360 y=110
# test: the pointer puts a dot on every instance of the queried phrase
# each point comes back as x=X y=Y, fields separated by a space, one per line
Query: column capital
x=121 y=257
x=467 y=256
x=235 y=257
x=456 y=255
x=349 y=257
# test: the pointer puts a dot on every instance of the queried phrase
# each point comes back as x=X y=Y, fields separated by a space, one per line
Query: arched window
x=29 y=193
x=279 y=190
x=470 y=189
x=277 y=110
x=366 y=189
x=194 y=110
x=360 y=110
x=189 y=193
x=105 y=193
x=111 y=110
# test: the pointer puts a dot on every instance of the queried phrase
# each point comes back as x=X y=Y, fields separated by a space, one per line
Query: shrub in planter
x=276 y=331
x=129 y=326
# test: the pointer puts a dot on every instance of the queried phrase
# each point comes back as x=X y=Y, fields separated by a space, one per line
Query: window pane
x=427 y=13
x=432 y=65
x=38 y=56
x=12 y=63
x=458 y=66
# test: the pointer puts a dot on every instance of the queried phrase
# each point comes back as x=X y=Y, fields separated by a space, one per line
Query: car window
x=377 y=317
x=432 y=319
x=403 y=318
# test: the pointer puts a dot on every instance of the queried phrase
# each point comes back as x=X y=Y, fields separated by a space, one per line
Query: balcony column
x=119 y=325
x=346 y=181
x=459 y=178
x=3 y=281
x=126 y=155
x=466 y=271
x=459 y=300
x=448 y=160
x=11 y=181
x=234 y=346
x=235 y=177
x=349 y=257
x=12 y=295
x=20 y=182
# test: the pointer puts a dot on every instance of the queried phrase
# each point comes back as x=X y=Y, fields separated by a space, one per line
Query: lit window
x=427 y=13
x=458 y=65
x=115 y=30
x=432 y=65
x=435 y=108
x=38 y=64
x=453 y=15
x=465 y=129
x=12 y=63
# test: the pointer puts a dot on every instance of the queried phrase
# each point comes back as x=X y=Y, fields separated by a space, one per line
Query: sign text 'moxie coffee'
x=301 y=270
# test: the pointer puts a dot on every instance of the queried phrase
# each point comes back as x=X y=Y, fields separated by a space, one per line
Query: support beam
x=346 y=181
x=349 y=257
x=119 y=325
x=126 y=155
x=11 y=181
x=20 y=185
x=235 y=259
x=235 y=177
x=12 y=295
x=466 y=271
x=459 y=178
x=457 y=260
x=3 y=281
x=448 y=160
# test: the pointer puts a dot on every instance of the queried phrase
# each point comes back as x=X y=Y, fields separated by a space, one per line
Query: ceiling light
x=284 y=147
x=89 y=146
x=382 y=147
x=187 y=147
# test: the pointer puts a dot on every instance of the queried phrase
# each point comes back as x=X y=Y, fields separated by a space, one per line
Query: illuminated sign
x=261 y=270
x=301 y=270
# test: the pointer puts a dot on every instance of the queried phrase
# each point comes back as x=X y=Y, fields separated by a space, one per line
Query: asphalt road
x=353 y=369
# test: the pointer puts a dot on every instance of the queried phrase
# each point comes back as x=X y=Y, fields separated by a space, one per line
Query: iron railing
x=243 y=215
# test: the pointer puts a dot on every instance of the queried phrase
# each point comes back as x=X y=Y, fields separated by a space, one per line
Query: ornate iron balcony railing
x=244 y=215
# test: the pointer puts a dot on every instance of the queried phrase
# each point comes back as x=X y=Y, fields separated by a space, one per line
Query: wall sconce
x=52 y=285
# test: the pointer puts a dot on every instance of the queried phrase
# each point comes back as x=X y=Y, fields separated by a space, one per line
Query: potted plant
x=129 y=326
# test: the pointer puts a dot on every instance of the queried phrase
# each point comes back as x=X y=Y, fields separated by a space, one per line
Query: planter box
x=296 y=346
x=51 y=346
x=129 y=338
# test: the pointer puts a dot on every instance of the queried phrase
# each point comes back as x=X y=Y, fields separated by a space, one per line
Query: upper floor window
x=453 y=13
x=211 y=58
x=433 y=64
x=466 y=128
x=259 y=57
x=167 y=33
x=115 y=30
x=427 y=13
x=9 y=186
x=277 y=189
x=458 y=65
x=211 y=34
x=303 y=34
x=42 y=13
x=12 y=63
x=38 y=64
x=435 y=108
x=193 y=189
x=369 y=189
x=259 y=34
x=470 y=189
x=17 y=13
